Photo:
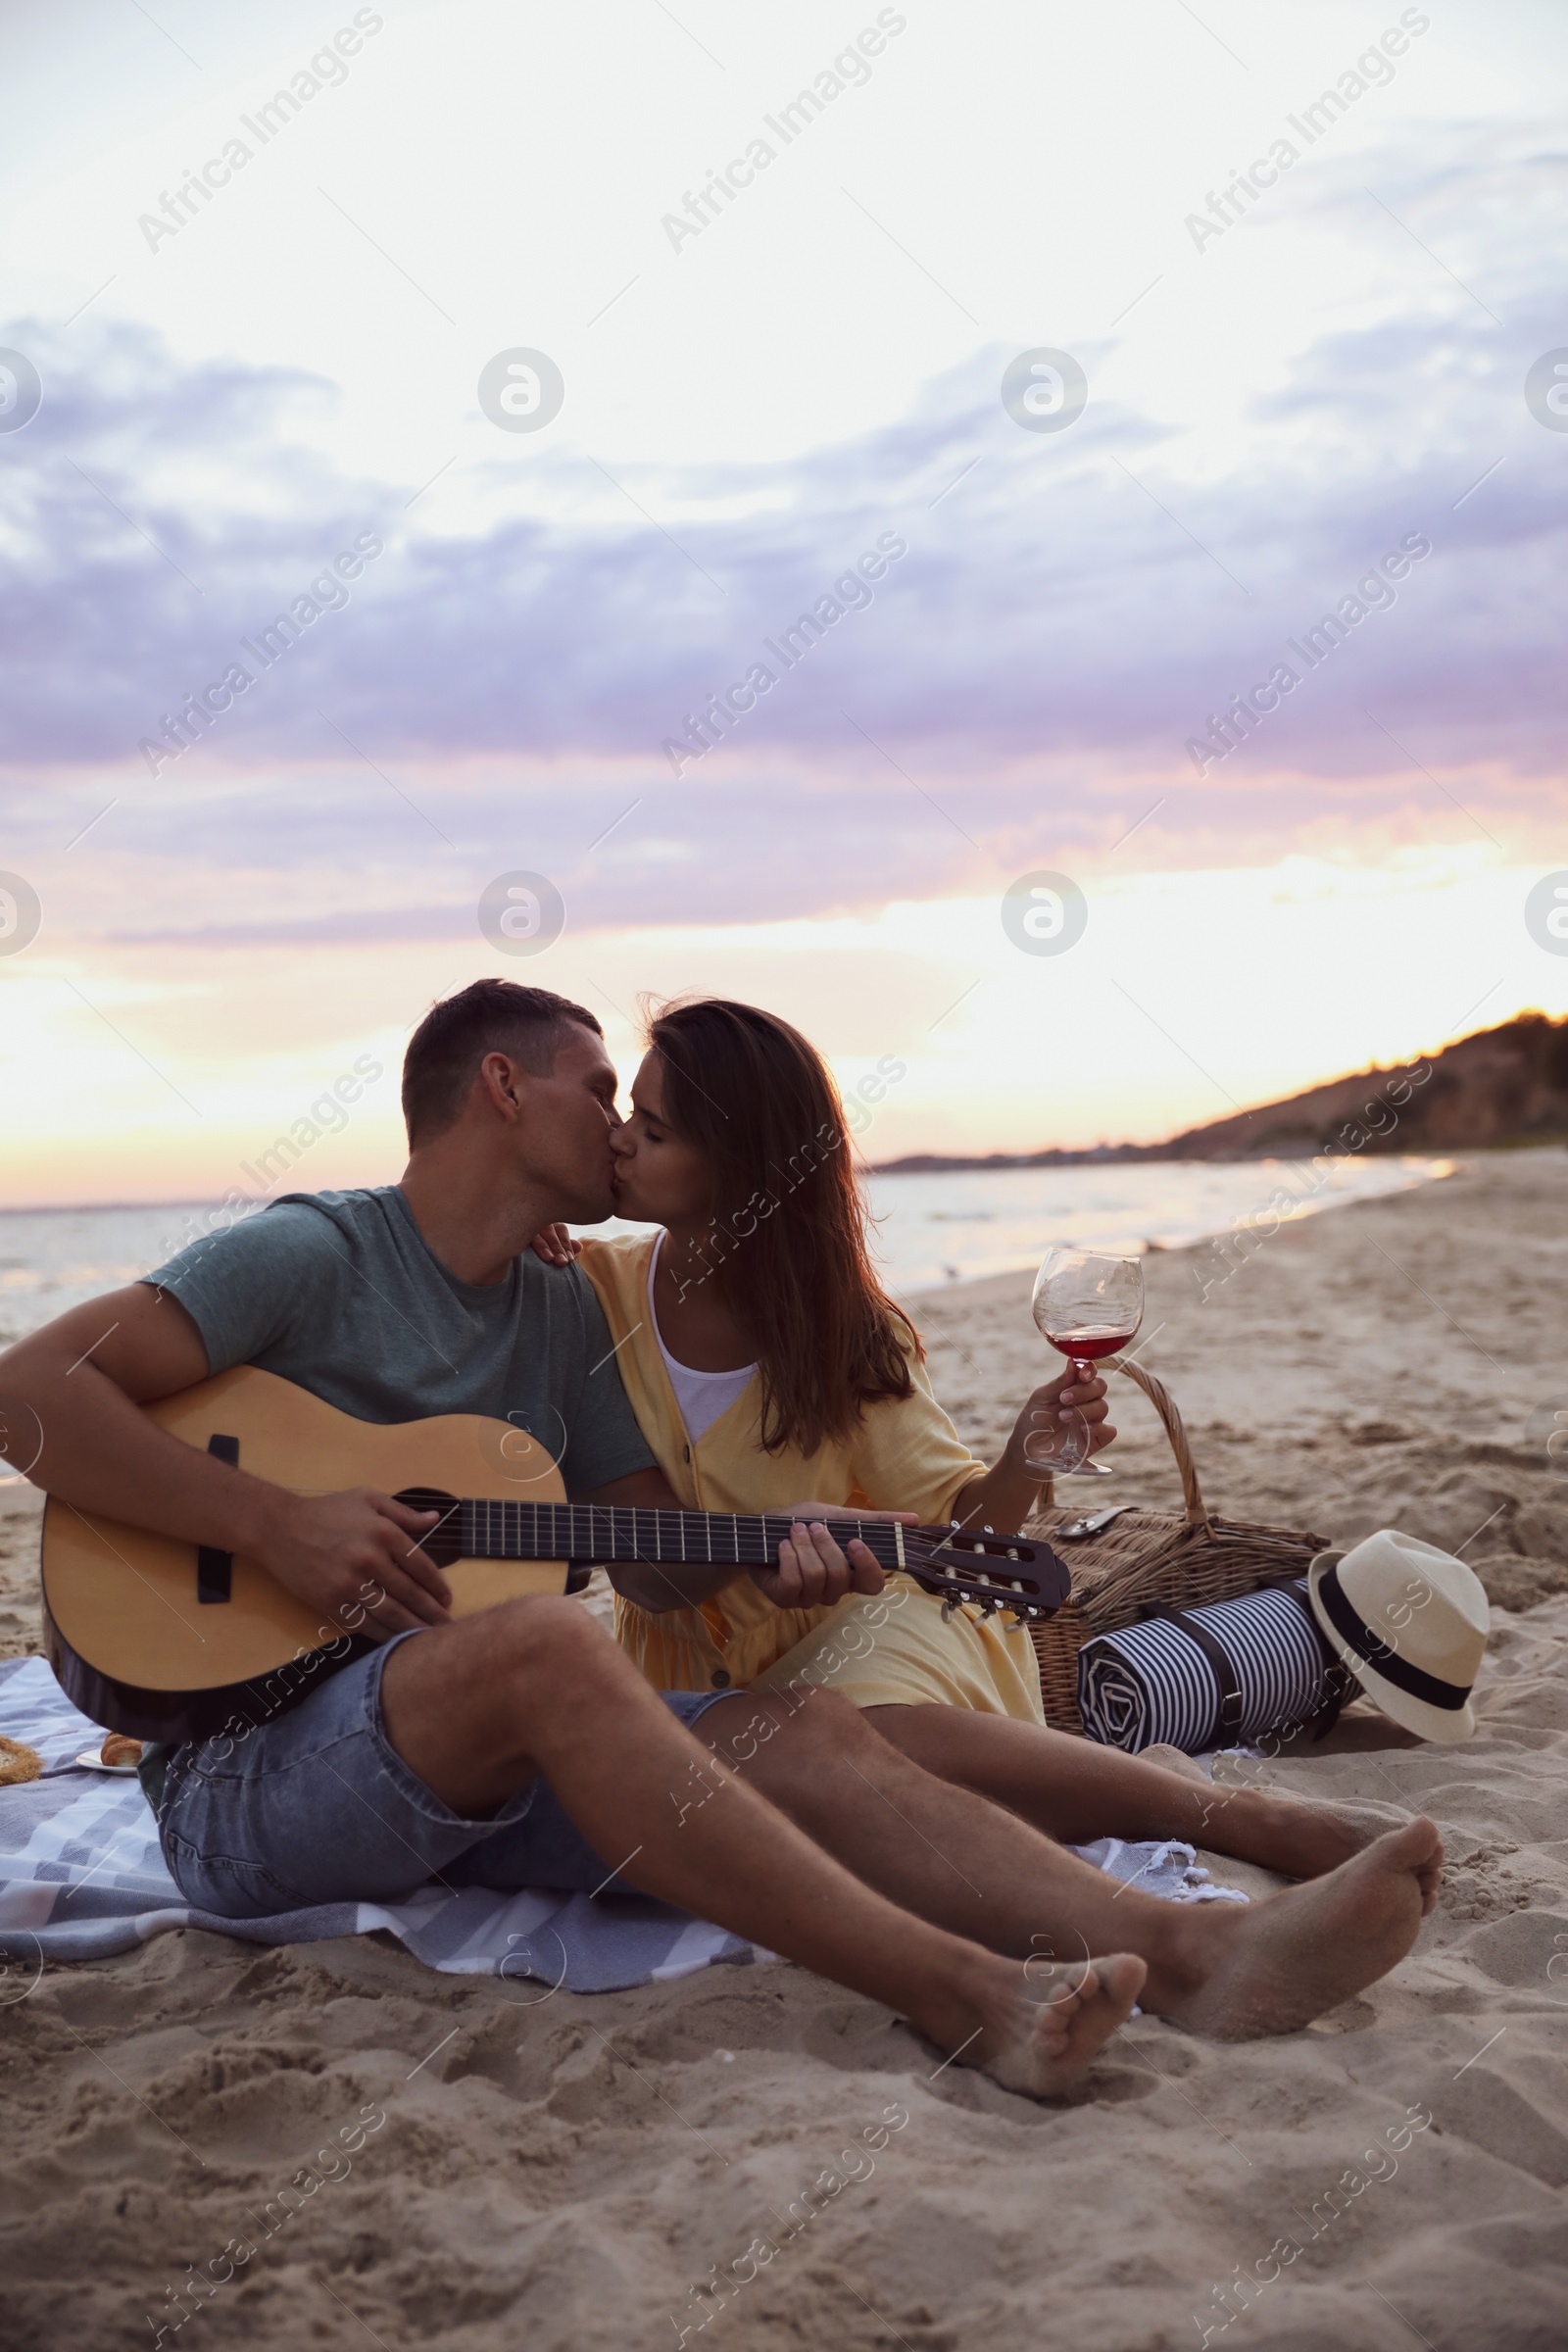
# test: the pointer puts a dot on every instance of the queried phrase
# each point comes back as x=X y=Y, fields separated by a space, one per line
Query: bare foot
x=1305 y=1838
x=1272 y=1967
x=1300 y=1838
x=1314 y=1839
x=1040 y=2037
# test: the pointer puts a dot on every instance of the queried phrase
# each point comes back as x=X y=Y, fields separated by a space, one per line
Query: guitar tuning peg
x=947 y=1607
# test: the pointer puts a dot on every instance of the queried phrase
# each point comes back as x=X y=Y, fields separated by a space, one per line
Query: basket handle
x=1164 y=1405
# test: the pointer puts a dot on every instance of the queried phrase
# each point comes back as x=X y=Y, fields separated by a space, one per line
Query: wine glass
x=1088 y=1306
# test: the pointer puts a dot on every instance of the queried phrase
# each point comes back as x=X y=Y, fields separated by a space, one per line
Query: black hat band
x=1379 y=1655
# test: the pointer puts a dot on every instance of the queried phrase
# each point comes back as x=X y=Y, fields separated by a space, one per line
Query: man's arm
x=812 y=1569
x=68 y=1396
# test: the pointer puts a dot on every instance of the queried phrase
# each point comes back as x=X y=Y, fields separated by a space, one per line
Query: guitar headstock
x=1019 y=1574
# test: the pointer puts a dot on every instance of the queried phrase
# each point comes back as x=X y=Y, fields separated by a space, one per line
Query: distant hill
x=1502 y=1085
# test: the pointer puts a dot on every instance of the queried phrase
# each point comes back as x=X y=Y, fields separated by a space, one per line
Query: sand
x=563 y=2171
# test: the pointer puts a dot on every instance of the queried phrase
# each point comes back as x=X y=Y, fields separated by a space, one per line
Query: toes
x=1415 y=1848
x=1116 y=1980
x=1104 y=1994
x=1122 y=1979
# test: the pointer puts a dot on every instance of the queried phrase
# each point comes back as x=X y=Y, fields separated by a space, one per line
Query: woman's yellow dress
x=888 y=1650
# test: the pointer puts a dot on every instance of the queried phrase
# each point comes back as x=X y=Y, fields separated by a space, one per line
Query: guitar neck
x=608 y=1533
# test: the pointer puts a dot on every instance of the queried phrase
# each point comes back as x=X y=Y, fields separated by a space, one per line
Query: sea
x=930 y=1230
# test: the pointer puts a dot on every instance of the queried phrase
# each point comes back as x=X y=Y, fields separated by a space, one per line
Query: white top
x=700 y=1396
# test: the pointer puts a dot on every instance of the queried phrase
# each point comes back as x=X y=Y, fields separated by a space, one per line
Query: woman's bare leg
x=1076 y=1791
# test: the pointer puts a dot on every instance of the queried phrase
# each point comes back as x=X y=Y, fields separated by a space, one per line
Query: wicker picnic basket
x=1148 y=1560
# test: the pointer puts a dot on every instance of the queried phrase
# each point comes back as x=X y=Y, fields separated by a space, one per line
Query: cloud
x=1069 y=611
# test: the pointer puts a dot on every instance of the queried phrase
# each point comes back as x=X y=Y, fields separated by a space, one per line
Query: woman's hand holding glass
x=1048 y=1432
x=1089 y=1305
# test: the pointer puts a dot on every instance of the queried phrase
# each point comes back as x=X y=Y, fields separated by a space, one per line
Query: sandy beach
x=562 y=2171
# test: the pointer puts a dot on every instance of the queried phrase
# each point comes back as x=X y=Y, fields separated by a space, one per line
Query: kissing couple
x=883 y=1799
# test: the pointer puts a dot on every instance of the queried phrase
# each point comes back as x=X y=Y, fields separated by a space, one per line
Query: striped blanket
x=1228 y=1672
x=81 y=1877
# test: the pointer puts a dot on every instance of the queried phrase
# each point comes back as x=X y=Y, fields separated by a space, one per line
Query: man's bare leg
x=1076 y=1791
x=973 y=1867
x=481 y=1707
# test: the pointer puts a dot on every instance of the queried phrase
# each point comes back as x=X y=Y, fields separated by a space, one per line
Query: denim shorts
x=319 y=1807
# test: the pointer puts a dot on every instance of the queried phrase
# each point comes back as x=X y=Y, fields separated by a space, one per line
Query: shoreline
x=1106 y=1213
x=1446 y=1169
x=925 y=1230
x=992 y=1164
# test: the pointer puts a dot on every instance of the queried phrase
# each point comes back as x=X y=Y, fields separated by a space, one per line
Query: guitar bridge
x=215 y=1570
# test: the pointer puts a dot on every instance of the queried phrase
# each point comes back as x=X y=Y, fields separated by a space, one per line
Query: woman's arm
x=908 y=1452
x=645 y=1582
x=1004 y=1496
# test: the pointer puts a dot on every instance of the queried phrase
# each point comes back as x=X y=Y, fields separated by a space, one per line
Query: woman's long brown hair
x=787 y=1245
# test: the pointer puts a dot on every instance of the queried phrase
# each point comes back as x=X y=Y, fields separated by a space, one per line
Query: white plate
x=95 y=1763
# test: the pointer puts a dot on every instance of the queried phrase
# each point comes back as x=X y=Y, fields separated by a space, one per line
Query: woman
x=764 y=1360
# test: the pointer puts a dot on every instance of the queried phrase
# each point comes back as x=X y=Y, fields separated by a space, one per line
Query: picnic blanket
x=1236 y=1668
x=81 y=1877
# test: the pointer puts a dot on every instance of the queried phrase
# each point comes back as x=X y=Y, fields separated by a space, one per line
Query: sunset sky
x=238 y=392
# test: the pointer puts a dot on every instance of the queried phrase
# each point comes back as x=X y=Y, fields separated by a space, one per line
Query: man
x=521 y=1747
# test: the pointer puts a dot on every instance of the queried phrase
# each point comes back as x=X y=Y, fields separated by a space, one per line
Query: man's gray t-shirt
x=341 y=1294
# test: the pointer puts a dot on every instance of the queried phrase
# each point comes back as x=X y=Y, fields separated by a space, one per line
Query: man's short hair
x=492 y=1016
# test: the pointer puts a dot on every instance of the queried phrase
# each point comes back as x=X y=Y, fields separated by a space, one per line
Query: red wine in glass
x=1087 y=1347
x=1089 y=1307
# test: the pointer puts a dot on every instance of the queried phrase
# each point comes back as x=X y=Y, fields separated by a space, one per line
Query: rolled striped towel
x=1209 y=1677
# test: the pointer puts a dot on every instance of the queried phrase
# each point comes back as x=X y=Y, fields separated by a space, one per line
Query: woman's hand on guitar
x=812 y=1572
x=355 y=1556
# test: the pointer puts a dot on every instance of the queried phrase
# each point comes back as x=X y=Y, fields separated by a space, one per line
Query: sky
x=1032 y=595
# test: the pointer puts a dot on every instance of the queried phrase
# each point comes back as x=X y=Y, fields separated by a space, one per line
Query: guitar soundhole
x=441 y=1544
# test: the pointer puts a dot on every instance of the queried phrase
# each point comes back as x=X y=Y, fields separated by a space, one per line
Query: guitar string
x=749 y=1541
x=518 y=1520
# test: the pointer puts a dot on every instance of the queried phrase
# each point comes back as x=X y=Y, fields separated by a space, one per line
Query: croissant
x=18 y=1761
x=117 y=1749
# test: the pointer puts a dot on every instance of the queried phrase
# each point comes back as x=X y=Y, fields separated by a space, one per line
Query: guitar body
x=133 y=1641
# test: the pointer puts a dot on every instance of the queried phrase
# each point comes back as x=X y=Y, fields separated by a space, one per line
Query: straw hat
x=1411 y=1624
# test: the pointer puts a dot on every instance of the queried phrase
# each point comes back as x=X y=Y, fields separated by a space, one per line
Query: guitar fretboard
x=597 y=1531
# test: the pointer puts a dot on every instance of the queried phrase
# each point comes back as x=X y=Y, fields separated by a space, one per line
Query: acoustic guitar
x=168 y=1641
